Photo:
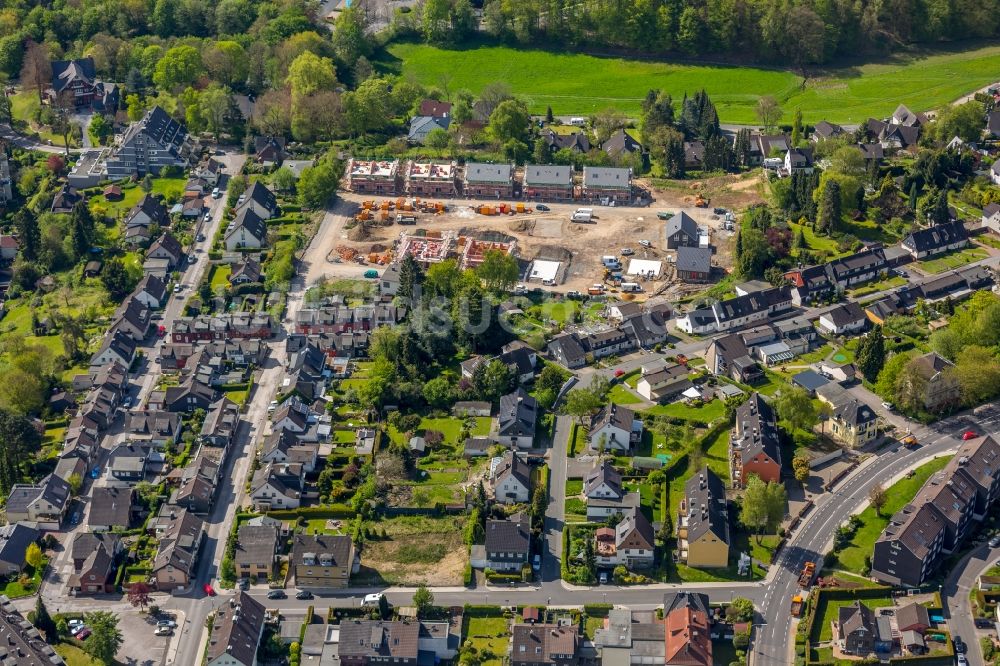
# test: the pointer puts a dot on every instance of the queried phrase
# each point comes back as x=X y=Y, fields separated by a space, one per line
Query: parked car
x=169 y=624
x=627 y=252
x=960 y=646
x=244 y=584
x=995 y=541
x=888 y=405
x=82 y=634
x=277 y=594
x=962 y=661
x=536 y=563
x=984 y=623
x=968 y=434
x=216 y=193
x=603 y=578
x=201 y=237
x=163 y=631
x=520 y=290
x=208 y=217
x=209 y=590
x=645 y=243
x=543 y=208
x=303 y=594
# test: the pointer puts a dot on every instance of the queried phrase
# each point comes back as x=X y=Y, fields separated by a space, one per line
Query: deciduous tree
x=105 y=638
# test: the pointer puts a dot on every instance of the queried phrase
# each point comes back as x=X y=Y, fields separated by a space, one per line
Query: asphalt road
x=955 y=596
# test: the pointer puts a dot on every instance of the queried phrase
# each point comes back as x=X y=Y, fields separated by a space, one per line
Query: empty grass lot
x=489 y=636
x=586 y=84
x=951 y=260
x=852 y=558
x=621 y=395
x=706 y=413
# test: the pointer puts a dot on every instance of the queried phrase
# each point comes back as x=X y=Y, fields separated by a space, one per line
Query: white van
x=372 y=600
x=631 y=287
x=577 y=121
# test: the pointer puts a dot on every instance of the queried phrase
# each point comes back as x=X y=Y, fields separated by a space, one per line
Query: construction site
x=554 y=252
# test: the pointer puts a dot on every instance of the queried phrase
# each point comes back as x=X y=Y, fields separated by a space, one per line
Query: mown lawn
x=220 y=277
x=706 y=413
x=450 y=427
x=587 y=84
x=620 y=395
x=75 y=656
x=951 y=260
x=828 y=611
x=852 y=558
x=489 y=636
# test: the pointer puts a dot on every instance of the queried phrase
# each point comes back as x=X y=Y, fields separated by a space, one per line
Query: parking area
x=141 y=647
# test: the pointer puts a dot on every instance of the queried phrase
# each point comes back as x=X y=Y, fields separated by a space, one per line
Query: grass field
x=416 y=549
x=489 y=636
x=578 y=84
x=952 y=260
x=822 y=629
x=707 y=413
x=852 y=558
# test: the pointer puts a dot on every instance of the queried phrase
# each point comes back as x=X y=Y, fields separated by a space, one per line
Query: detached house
x=44 y=503
x=256 y=551
x=861 y=632
x=260 y=200
x=75 y=84
x=511 y=477
x=940 y=388
x=321 y=560
x=508 y=543
x=621 y=145
x=854 y=423
x=614 y=428
x=277 y=486
x=681 y=231
x=687 y=627
x=247 y=232
x=517 y=416
x=236 y=631
x=630 y=543
x=606 y=497
x=845 y=319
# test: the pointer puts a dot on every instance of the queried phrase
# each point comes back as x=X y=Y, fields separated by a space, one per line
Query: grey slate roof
x=512 y=535
x=705 y=498
x=518 y=412
x=607 y=177
x=548 y=175
x=694 y=259
x=682 y=222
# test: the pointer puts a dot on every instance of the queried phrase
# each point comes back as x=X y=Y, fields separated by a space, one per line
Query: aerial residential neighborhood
x=491 y=333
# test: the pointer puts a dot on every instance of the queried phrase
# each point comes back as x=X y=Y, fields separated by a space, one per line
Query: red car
x=83 y=634
x=208 y=590
x=967 y=435
x=619 y=372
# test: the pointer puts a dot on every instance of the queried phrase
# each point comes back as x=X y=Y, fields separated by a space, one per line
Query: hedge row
x=324 y=511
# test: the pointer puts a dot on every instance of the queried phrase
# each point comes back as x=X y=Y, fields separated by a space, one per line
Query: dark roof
x=704 y=506
x=153 y=286
x=694 y=259
x=931 y=364
x=742 y=306
x=912 y=615
x=168 y=243
x=433 y=107
x=152 y=207
x=512 y=535
x=323 y=547
x=915 y=527
x=846 y=314
x=853 y=412
x=756 y=429
x=577 y=141
x=991 y=209
x=379 y=639
x=86 y=542
x=256 y=544
x=856 y=617
x=111 y=506
x=64 y=72
x=570 y=347
x=543 y=643
x=236 y=630
x=604 y=474
x=937 y=236
x=694 y=151
x=621 y=142
x=253 y=223
x=515 y=466
x=684 y=223
x=614 y=415
x=612 y=177
x=826 y=130
x=259 y=194
x=810 y=380
x=14 y=541
x=871 y=151
x=518 y=411
x=158 y=125
x=993 y=123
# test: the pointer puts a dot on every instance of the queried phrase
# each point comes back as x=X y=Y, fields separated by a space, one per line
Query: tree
x=410 y=276
x=116 y=278
x=768 y=113
x=317 y=184
x=582 y=403
x=423 y=600
x=310 y=73
x=105 y=638
x=179 y=67
x=870 y=356
x=763 y=505
x=350 y=42
x=28 y=233
x=438 y=392
x=828 y=218
x=33 y=556
x=75 y=481
x=803 y=37
x=138 y=595
x=800 y=467
x=493 y=380
x=753 y=253
x=44 y=622
x=796 y=409
x=962 y=120
x=740 y=609
x=36 y=71
x=797 y=128
x=498 y=271
x=226 y=61
x=939 y=213
x=509 y=121
x=100 y=129
x=877 y=497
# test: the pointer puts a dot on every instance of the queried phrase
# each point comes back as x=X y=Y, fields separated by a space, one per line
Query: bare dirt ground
x=418 y=550
x=551 y=235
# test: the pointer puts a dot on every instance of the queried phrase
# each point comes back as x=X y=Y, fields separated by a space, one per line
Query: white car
x=208 y=217
x=169 y=624
x=627 y=252
x=216 y=193
x=178 y=287
x=520 y=290
x=645 y=243
x=163 y=631
x=888 y=405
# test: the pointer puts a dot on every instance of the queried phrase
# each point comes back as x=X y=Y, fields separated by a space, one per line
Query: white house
x=511 y=477
x=260 y=200
x=844 y=319
x=277 y=486
x=247 y=232
x=659 y=383
x=614 y=428
x=995 y=173
x=991 y=217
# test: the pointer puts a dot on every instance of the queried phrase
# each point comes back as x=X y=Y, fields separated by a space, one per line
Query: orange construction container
x=385 y=205
x=520 y=207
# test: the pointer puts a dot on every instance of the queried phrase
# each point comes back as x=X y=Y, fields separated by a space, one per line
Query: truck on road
x=807 y=575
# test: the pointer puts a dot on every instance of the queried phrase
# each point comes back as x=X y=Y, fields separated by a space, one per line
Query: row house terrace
x=374 y=176
x=340 y=319
x=207 y=328
x=432 y=179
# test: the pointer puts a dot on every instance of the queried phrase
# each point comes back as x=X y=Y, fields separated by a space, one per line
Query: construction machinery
x=700 y=202
x=807 y=575
x=797 y=603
